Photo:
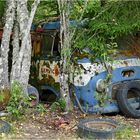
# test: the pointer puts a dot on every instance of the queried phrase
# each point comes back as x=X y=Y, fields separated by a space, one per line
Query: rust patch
x=125 y=62
x=56 y=70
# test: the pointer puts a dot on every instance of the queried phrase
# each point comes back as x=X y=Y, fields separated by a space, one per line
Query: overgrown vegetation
x=125 y=132
x=18 y=102
x=104 y=25
x=40 y=108
x=58 y=105
x=4 y=97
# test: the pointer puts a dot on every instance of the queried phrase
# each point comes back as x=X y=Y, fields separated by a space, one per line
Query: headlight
x=100 y=85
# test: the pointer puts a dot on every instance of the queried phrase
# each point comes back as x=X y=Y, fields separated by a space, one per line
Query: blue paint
x=86 y=93
x=51 y=25
x=33 y=26
x=108 y=108
x=56 y=25
x=84 y=60
x=117 y=74
x=87 y=60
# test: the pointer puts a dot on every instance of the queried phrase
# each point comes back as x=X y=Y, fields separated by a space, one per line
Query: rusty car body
x=89 y=81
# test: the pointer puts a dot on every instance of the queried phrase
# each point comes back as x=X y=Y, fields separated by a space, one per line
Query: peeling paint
x=93 y=68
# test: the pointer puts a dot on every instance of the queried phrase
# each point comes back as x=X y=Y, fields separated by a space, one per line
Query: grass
x=127 y=132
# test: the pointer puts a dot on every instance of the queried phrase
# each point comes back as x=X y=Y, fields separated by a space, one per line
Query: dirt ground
x=61 y=126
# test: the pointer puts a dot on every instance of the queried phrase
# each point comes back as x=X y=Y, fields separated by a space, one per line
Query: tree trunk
x=22 y=17
x=25 y=70
x=64 y=6
x=21 y=69
x=1 y=71
x=10 y=15
x=21 y=54
x=16 y=48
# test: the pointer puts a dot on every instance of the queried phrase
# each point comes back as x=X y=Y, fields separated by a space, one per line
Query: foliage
x=101 y=98
x=45 y=10
x=1 y=96
x=125 y=132
x=40 y=108
x=60 y=104
x=18 y=101
x=2 y=10
x=4 y=97
x=4 y=93
x=105 y=24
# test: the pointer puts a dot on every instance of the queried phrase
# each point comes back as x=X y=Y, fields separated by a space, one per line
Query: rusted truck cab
x=45 y=62
x=97 y=90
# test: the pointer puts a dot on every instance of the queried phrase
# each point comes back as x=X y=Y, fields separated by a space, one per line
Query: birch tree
x=17 y=16
x=4 y=49
x=64 y=7
x=21 y=69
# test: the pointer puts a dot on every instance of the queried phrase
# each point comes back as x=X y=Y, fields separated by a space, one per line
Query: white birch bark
x=10 y=15
x=22 y=17
x=25 y=70
x=15 y=44
x=1 y=71
x=64 y=6
x=22 y=67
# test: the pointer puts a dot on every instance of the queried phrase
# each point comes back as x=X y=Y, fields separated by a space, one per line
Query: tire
x=4 y=127
x=33 y=92
x=124 y=93
x=94 y=132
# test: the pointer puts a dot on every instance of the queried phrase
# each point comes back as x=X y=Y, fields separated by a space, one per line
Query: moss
x=4 y=98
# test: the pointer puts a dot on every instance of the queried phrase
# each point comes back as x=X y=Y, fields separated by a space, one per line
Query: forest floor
x=62 y=125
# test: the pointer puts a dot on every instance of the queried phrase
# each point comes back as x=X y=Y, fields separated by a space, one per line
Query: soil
x=59 y=125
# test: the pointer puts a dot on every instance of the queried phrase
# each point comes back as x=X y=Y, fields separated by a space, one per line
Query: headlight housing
x=100 y=85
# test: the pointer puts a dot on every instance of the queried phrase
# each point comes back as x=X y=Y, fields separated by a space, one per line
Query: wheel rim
x=101 y=125
x=133 y=99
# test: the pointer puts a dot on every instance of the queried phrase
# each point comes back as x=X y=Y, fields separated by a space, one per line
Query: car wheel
x=128 y=98
x=34 y=96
